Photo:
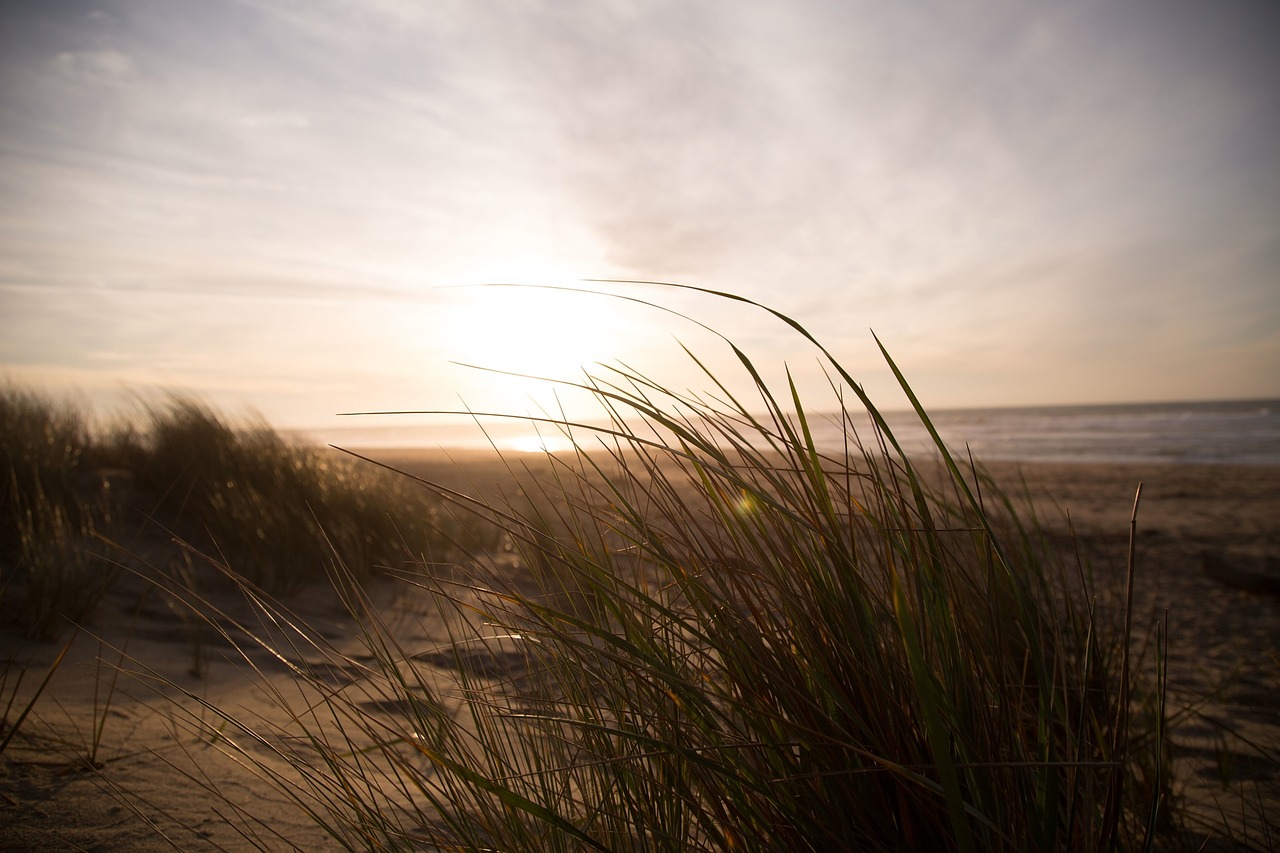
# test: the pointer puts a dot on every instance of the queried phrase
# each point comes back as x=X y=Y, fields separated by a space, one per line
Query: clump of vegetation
x=75 y=503
x=736 y=641
x=277 y=512
x=40 y=459
x=51 y=511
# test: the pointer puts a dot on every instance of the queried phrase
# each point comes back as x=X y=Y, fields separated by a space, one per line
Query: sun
x=529 y=319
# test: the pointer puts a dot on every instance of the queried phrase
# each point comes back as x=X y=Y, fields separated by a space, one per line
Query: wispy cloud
x=986 y=183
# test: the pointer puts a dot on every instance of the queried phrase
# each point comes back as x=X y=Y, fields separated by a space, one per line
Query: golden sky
x=274 y=202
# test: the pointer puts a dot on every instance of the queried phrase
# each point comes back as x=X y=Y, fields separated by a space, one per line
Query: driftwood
x=1261 y=582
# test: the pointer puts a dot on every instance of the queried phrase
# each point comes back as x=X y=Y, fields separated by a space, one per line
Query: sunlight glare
x=534 y=443
x=533 y=329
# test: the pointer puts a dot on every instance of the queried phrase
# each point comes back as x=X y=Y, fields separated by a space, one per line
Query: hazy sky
x=265 y=201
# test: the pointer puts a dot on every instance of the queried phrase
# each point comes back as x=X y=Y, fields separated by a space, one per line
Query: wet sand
x=151 y=772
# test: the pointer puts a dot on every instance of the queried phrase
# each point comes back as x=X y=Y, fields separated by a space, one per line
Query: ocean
x=1236 y=432
x=1233 y=432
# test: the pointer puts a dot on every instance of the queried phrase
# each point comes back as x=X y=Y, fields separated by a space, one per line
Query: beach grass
x=50 y=515
x=278 y=512
x=81 y=503
x=711 y=634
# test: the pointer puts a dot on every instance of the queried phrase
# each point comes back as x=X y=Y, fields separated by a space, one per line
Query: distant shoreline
x=1233 y=432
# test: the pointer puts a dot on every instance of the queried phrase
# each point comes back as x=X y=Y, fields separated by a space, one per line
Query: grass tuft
x=78 y=504
x=716 y=635
x=51 y=512
x=278 y=512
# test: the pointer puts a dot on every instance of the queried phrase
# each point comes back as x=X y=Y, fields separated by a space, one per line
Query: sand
x=92 y=768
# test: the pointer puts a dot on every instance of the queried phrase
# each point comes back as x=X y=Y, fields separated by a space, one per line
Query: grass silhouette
x=75 y=502
x=716 y=635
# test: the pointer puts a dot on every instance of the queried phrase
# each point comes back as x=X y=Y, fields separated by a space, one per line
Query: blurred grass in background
x=77 y=502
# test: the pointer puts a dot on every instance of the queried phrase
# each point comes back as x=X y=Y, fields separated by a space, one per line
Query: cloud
x=94 y=68
x=968 y=178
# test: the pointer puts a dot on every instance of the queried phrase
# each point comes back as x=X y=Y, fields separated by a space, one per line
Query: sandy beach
x=109 y=758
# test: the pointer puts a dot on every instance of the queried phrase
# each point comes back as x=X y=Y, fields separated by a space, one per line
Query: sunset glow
x=533 y=329
x=295 y=208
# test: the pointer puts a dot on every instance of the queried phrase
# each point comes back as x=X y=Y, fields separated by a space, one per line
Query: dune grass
x=278 y=512
x=716 y=636
x=51 y=512
x=80 y=503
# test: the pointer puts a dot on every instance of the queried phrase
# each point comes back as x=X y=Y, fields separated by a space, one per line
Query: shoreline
x=1210 y=432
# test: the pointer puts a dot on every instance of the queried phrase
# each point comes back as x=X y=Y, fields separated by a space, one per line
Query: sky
x=290 y=205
